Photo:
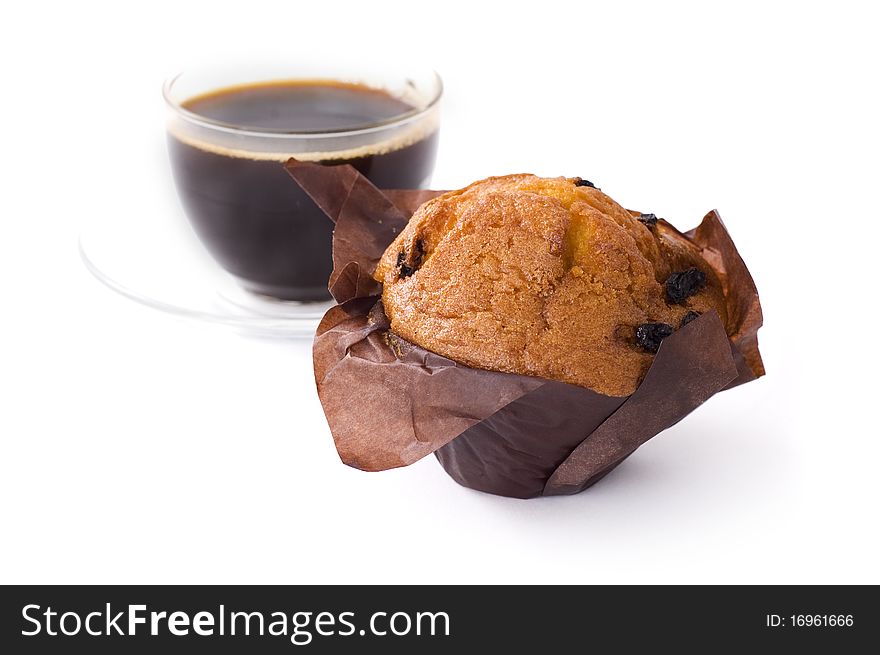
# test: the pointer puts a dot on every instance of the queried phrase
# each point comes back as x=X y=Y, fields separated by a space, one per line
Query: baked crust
x=538 y=276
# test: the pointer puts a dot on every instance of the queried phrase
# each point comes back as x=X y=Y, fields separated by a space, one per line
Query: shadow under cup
x=251 y=216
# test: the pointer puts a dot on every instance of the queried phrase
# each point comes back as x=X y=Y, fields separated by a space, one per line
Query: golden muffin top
x=547 y=277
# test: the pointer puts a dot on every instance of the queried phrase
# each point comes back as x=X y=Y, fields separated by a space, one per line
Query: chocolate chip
x=650 y=335
x=681 y=286
x=582 y=182
x=405 y=269
x=650 y=220
x=687 y=318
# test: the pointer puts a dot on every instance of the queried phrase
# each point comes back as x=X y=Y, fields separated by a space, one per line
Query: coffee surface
x=298 y=106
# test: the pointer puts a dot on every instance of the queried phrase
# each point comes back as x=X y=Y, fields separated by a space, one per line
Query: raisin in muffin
x=546 y=277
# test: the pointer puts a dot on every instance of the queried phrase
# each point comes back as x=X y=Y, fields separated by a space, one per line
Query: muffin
x=530 y=333
x=544 y=277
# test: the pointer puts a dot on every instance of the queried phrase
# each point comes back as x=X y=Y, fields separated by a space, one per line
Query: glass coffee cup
x=231 y=130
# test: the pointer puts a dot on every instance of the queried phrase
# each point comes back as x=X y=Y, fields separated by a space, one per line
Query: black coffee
x=244 y=206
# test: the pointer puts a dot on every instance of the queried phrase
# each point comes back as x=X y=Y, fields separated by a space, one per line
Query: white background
x=140 y=448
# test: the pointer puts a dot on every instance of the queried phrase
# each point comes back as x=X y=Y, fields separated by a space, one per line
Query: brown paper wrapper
x=389 y=402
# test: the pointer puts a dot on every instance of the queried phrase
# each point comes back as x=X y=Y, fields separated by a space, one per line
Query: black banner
x=275 y=619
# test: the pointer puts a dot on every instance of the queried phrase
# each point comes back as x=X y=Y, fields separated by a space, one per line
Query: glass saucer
x=162 y=265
